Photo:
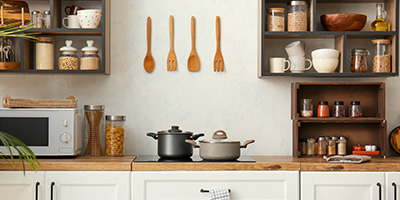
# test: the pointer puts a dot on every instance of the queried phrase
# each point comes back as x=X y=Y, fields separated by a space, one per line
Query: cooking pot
x=171 y=143
x=219 y=148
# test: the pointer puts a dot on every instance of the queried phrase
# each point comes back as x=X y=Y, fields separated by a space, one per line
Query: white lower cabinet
x=15 y=186
x=342 y=185
x=277 y=185
x=392 y=185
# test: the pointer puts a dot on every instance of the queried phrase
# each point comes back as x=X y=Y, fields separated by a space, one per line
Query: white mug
x=277 y=65
x=73 y=21
x=89 y=18
x=296 y=48
x=298 y=64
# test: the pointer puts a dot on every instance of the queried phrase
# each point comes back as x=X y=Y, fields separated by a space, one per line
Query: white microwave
x=47 y=131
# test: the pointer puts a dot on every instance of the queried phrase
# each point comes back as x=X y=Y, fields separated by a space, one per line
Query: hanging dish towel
x=219 y=194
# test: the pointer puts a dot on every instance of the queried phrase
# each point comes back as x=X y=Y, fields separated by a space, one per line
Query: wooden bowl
x=343 y=22
x=10 y=65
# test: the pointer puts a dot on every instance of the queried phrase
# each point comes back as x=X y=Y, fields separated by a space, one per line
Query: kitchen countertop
x=83 y=163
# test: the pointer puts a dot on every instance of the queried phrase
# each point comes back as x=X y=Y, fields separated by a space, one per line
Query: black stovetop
x=195 y=158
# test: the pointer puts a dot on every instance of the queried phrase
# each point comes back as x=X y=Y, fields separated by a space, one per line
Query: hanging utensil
x=171 y=61
x=148 y=60
x=218 y=59
x=193 y=61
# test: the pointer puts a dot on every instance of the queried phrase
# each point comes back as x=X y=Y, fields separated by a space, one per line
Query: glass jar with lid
x=338 y=109
x=321 y=146
x=46 y=19
x=341 y=146
x=94 y=129
x=306 y=108
x=297 y=16
x=303 y=146
x=381 y=62
x=310 y=146
x=90 y=59
x=323 y=109
x=33 y=17
x=115 y=135
x=331 y=147
x=276 y=19
x=44 y=53
x=355 y=109
x=68 y=59
x=359 y=60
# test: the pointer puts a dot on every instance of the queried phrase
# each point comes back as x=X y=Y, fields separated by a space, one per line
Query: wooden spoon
x=148 y=60
x=193 y=61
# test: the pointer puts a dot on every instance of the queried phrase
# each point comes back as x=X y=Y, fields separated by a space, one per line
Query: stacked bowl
x=325 y=60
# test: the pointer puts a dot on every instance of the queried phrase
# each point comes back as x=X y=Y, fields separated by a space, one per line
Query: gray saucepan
x=219 y=148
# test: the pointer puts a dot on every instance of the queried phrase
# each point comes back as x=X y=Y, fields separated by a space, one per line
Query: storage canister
x=46 y=19
x=94 y=129
x=68 y=59
x=338 y=109
x=45 y=53
x=310 y=146
x=323 y=109
x=359 y=60
x=297 y=16
x=276 y=19
x=331 y=147
x=33 y=17
x=381 y=62
x=303 y=147
x=115 y=135
x=90 y=59
x=306 y=108
x=341 y=146
x=321 y=146
x=355 y=109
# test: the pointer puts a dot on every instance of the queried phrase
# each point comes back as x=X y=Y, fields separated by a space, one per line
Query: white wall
x=245 y=106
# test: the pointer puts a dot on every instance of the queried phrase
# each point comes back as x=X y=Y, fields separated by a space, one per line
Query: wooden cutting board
x=394 y=139
x=12 y=11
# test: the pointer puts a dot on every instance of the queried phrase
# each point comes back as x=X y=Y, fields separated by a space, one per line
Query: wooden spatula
x=218 y=59
x=171 y=60
x=193 y=61
x=148 y=60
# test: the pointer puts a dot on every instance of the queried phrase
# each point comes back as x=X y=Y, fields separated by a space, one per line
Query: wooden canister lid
x=381 y=41
x=278 y=10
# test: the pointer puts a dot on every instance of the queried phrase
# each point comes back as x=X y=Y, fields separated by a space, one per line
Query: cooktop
x=195 y=158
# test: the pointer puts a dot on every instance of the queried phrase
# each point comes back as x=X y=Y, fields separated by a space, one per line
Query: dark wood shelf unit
x=343 y=41
x=369 y=129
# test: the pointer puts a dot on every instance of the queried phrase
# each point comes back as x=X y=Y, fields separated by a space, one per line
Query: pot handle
x=196 y=136
x=247 y=142
x=153 y=135
x=219 y=136
x=193 y=143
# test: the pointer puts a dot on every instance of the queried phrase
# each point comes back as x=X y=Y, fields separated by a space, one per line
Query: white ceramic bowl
x=89 y=18
x=325 y=65
x=325 y=53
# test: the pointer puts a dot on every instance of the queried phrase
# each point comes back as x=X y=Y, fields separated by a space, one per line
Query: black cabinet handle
x=380 y=190
x=394 y=190
x=51 y=190
x=37 y=190
x=207 y=191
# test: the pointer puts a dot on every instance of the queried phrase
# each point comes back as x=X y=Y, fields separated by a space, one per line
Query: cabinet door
x=342 y=185
x=88 y=185
x=15 y=186
x=243 y=184
x=392 y=185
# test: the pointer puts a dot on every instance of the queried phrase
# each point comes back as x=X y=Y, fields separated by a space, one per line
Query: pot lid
x=69 y=46
x=219 y=136
x=174 y=130
x=90 y=48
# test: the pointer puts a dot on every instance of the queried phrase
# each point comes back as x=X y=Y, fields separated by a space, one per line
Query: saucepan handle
x=193 y=143
x=153 y=135
x=247 y=142
x=196 y=136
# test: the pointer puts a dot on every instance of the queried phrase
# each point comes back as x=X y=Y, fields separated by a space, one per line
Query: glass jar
x=323 y=109
x=39 y=20
x=306 y=108
x=90 y=59
x=331 y=147
x=33 y=17
x=338 y=109
x=359 y=60
x=44 y=53
x=303 y=147
x=355 y=109
x=94 y=129
x=341 y=146
x=310 y=146
x=115 y=135
x=321 y=146
x=297 y=16
x=381 y=62
x=276 y=19
x=68 y=59
x=46 y=19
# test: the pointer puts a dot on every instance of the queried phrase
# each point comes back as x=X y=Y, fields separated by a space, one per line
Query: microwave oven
x=46 y=131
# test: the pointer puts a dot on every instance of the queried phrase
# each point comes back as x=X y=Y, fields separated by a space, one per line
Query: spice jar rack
x=368 y=129
x=101 y=36
x=317 y=37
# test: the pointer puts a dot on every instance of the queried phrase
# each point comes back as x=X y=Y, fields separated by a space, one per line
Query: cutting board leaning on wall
x=12 y=11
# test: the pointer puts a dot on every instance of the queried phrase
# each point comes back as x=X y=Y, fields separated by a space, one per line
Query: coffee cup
x=72 y=10
x=277 y=65
x=298 y=64
x=73 y=21
x=89 y=18
x=296 y=48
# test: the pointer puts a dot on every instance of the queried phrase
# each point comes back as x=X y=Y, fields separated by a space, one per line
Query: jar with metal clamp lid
x=359 y=60
x=90 y=59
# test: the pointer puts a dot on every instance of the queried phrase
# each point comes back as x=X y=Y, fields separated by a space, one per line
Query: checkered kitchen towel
x=219 y=194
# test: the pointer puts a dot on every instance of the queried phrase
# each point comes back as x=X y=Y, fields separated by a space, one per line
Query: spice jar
x=297 y=16
x=39 y=20
x=44 y=53
x=90 y=59
x=381 y=62
x=115 y=135
x=303 y=147
x=46 y=19
x=276 y=19
x=359 y=60
x=94 y=129
x=321 y=146
x=310 y=146
x=341 y=146
x=355 y=109
x=323 y=109
x=33 y=17
x=338 y=109
x=331 y=147
x=306 y=108
x=68 y=59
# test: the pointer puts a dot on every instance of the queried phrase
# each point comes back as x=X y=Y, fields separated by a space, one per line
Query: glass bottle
x=68 y=59
x=297 y=16
x=380 y=24
x=321 y=146
x=306 y=108
x=341 y=146
x=115 y=135
x=381 y=62
x=90 y=59
x=338 y=109
x=355 y=109
x=359 y=60
x=44 y=53
x=33 y=17
x=94 y=129
x=276 y=19
x=303 y=147
x=323 y=109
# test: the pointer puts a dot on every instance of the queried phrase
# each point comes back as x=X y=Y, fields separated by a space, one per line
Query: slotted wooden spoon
x=193 y=61
x=148 y=60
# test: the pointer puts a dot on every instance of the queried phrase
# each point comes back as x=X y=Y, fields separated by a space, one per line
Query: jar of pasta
x=115 y=135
